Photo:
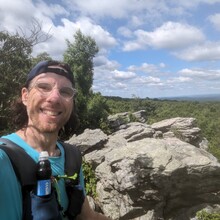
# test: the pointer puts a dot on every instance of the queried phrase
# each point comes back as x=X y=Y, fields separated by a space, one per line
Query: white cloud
x=201 y=52
x=215 y=20
x=103 y=38
x=118 y=85
x=125 y=32
x=164 y=29
x=14 y=14
x=147 y=68
x=201 y=74
x=50 y=10
x=133 y=45
x=171 y=35
x=103 y=8
x=134 y=10
x=162 y=65
x=103 y=68
x=122 y=75
x=23 y=13
x=136 y=21
x=101 y=60
x=187 y=4
x=142 y=80
x=114 y=8
x=66 y=30
x=179 y=80
x=174 y=35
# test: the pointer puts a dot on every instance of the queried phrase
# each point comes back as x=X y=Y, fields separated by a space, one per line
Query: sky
x=147 y=48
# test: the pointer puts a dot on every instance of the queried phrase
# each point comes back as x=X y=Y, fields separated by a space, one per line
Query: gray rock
x=119 y=121
x=89 y=140
x=152 y=172
x=167 y=176
x=175 y=123
x=140 y=116
x=183 y=128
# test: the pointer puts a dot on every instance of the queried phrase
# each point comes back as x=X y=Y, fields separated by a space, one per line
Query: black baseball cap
x=45 y=67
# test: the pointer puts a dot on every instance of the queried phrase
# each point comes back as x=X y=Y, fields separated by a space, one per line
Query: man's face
x=47 y=112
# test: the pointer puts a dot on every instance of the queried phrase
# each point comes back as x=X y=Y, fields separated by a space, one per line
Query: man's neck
x=40 y=141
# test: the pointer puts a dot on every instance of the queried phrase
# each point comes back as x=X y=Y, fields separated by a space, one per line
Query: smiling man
x=45 y=107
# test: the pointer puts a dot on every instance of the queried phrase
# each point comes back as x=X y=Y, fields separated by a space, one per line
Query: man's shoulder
x=3 y=155
x=4 y=158
x=23 y=164
x=6 y=163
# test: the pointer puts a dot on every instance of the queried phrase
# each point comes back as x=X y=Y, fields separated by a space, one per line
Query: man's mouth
x=51 y=113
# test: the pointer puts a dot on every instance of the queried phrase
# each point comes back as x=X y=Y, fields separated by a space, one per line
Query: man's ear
x=24 y=95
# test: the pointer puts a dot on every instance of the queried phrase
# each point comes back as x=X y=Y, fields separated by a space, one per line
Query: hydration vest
x=25 y=170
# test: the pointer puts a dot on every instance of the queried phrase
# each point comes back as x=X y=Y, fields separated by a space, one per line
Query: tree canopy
x=15 y=61
x=15 y=53
x=79 y=55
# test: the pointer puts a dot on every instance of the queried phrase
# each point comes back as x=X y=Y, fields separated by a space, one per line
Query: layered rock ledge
x=152 y=172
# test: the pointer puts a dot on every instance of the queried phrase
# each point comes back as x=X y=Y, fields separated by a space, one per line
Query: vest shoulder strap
x=73 y=159
x=22 y=163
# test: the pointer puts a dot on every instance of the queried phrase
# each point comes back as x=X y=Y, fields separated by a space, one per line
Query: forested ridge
x=207 y=114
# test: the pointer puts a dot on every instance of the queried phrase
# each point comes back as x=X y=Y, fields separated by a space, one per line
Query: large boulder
x=168 y=178
x=89 y=140
x=183 y=128
x=120 y=120
x=152 y=172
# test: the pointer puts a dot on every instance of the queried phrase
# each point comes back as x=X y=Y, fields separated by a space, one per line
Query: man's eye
x=44 y=87
x=66 y=92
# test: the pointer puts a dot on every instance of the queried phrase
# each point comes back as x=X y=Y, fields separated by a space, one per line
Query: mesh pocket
x=45 y=207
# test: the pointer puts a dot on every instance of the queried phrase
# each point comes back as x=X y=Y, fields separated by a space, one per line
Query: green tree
x=97 y=111
x=79 y=55
x=40 y=57
x=15 y=53
x=15 y=61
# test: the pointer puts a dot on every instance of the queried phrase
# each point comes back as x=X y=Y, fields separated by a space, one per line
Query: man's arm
x=88 y=214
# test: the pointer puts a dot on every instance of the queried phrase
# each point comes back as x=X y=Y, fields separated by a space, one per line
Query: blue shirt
x=10 y=189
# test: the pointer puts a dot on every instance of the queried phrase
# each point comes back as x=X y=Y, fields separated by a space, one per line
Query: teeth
x=51 y=113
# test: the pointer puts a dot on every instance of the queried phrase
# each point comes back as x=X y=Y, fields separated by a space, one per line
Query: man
x=45 y=107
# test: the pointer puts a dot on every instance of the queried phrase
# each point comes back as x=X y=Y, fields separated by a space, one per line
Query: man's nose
x=54 y=94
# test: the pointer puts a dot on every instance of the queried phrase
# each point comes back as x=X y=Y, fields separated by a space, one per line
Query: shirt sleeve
x=10 y=190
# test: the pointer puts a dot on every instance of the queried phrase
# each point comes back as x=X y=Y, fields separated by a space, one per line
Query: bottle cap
x=43 y=154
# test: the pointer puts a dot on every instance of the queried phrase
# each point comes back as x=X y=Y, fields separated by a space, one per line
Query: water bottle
x=44 y=173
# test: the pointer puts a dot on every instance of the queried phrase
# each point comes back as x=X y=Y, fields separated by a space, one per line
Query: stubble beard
x=46 y=127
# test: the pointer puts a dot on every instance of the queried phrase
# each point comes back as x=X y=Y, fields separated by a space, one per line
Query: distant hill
x=200 y=98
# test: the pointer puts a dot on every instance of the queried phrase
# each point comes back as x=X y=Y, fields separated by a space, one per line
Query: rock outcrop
x=152 y=172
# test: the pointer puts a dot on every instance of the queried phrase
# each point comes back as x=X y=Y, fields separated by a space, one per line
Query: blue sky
x=147 y=48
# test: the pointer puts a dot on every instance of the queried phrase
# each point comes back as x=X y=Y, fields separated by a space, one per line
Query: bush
x=90 y=179
x=203 y=215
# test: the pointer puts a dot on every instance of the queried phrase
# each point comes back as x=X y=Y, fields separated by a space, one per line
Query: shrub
x=203 y=215
x=90 y=179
